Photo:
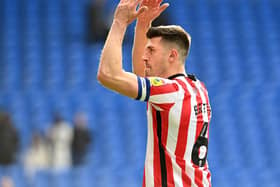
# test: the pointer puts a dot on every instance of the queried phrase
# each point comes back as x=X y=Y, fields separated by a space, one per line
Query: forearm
x=110 y=72
x=111 y=56
x=140 y=41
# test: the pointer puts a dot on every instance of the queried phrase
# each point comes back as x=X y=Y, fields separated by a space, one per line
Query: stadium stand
x=47 y=66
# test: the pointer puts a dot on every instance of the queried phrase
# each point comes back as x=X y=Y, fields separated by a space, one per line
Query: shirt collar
x=191 y=76
x=176 y=75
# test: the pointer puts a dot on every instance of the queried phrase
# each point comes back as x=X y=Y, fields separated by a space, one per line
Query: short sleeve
x=157 y=90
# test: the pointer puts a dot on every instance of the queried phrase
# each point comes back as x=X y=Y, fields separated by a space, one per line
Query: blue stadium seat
x=46 y=67
x=42 y=179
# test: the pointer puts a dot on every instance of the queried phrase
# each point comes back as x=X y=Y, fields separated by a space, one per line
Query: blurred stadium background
x=46 y=66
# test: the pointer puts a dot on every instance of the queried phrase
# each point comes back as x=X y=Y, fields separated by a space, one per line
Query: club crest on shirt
x=156 y=81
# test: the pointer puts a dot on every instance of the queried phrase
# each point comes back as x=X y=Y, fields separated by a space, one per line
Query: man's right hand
x=126 y=12
x=154 y=10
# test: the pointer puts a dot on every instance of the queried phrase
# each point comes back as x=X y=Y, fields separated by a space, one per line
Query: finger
x=163 y=7
x=145 y=2
x=137 y=2
x=153 y=2
x=159 y=2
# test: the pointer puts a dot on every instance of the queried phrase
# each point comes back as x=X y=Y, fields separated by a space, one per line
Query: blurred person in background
x=7 y=182
x=37 y=156
x=98 y=24
x=60 y=136
x=178 y=107
x=81 y=139
x=9 y=140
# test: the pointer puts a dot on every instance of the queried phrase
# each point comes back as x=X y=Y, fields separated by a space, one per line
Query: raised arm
x=143 y=23
x=110 y=72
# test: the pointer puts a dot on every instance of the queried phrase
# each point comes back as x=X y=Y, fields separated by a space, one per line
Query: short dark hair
x=173 y=34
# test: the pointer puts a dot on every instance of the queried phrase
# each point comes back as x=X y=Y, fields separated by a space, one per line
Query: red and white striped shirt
x=178 y=113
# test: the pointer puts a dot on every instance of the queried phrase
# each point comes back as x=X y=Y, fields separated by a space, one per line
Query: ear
x=173 y=55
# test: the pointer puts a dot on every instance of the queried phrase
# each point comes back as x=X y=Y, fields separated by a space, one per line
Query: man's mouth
x=147 y=65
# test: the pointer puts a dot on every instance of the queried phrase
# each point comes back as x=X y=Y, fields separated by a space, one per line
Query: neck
x=179 y=70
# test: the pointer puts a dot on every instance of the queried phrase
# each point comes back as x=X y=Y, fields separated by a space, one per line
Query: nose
x=145 y=55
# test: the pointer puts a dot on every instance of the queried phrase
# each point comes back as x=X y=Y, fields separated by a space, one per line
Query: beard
x=148 y=72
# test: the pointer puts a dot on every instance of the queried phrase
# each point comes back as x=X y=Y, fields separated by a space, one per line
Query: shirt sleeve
x=157 y=90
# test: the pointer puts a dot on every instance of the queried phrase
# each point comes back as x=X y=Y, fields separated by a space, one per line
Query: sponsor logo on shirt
x=156 y=81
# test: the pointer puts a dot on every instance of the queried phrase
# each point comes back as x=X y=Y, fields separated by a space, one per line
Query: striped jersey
x=178 y=113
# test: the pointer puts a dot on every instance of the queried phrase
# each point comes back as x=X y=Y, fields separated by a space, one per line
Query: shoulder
x=158 y=81
x=157 y=89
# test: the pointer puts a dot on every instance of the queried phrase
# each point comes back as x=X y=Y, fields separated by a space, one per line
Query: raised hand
x=126 y=11
x=154 y=10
